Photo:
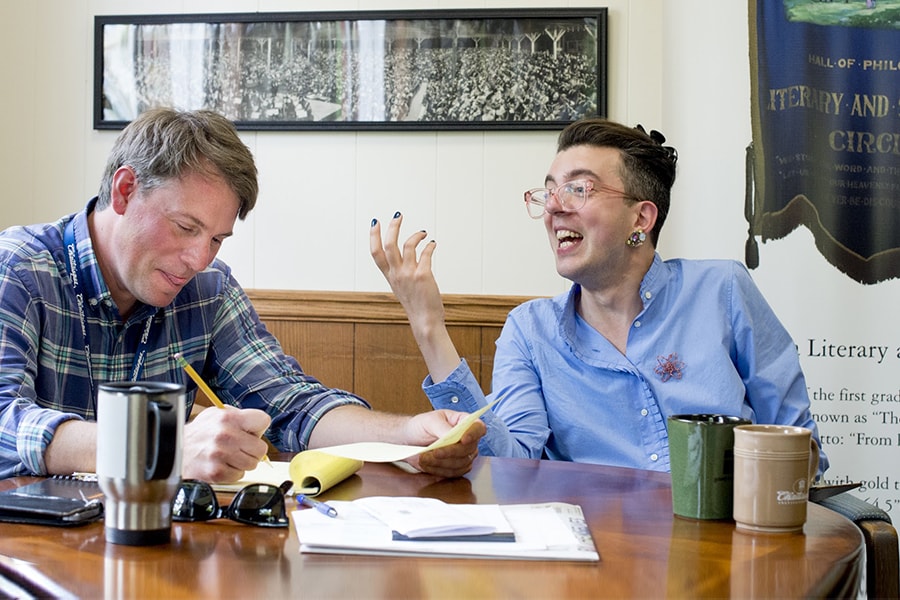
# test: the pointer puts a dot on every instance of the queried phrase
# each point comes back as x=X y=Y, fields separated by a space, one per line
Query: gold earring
x=636 y=238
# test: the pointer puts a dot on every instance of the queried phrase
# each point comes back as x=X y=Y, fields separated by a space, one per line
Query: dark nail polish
x=374 y=222
x=397 y=214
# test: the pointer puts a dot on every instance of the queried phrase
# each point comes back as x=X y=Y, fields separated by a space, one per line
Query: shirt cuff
x=460 y=391
x=293 y=428
x=34 y=435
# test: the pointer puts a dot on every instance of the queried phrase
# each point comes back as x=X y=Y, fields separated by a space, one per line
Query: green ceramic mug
x=701 y=456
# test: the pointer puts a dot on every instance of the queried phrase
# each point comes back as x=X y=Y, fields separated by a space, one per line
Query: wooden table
x=644 y=551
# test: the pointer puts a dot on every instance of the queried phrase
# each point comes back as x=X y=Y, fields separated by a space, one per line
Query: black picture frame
x=489 y=69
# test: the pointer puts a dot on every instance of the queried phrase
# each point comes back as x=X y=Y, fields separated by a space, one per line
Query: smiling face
x=589 y=243
x=150 y=243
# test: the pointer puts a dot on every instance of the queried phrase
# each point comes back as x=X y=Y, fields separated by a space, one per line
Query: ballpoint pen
x=204 y=388
x=319 y=506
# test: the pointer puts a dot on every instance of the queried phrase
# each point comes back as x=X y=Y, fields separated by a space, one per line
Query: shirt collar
x=95 y=288
x=654 y=280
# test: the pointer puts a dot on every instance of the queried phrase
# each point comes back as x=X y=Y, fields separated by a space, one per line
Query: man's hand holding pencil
x=221 y=444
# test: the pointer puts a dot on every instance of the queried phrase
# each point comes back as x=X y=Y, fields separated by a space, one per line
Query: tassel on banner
x=751 y=248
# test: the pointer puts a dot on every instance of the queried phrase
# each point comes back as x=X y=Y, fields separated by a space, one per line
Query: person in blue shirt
x=592 y=374
x=113 y=292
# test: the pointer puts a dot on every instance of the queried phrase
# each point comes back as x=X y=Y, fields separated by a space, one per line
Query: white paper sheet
x=551 y=531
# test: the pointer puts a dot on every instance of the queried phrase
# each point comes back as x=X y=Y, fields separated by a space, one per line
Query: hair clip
x=659 y=139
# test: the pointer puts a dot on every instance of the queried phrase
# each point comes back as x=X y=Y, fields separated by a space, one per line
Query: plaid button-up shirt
x=44 y=374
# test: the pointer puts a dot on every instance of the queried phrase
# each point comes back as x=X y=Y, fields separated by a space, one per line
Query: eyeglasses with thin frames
x=257 y=504
x=571 y=195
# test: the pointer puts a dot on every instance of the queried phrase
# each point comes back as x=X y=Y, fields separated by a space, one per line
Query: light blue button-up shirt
x=706 y=341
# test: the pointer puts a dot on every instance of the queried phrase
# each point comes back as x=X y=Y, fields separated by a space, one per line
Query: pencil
x=205 y=388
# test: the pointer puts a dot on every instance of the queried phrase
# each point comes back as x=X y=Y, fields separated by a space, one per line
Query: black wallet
x=32 y=504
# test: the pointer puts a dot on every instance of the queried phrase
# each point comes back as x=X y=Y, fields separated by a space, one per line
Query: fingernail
x=422 y=231
x=397 y=214
x=374 y=222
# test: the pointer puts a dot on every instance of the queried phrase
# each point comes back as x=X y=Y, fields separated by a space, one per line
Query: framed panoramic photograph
x=397 y=70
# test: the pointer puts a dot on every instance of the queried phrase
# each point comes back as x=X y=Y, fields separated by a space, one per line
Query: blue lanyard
x=77 y=277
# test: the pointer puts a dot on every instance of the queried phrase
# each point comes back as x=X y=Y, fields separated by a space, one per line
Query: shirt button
x=648 y=295
x=654 y=457
x=454 y=400
x=637 y=323
x=644 y=412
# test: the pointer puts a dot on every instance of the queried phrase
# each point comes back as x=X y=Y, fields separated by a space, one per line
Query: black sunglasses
x=258 y=504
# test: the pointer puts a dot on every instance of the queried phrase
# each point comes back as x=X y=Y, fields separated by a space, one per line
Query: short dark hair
x=648 y=167
x=163 y=144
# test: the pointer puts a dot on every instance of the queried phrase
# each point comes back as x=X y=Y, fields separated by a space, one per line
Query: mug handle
x=813 y=463
x=161 y=426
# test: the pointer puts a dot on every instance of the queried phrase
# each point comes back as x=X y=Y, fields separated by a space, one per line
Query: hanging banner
x=825 y=157
x=825 y=82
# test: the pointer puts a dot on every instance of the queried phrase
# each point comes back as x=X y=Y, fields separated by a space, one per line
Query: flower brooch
x=668 y=367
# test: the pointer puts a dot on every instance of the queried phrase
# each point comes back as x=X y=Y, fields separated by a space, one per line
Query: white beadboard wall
x=677 y=66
